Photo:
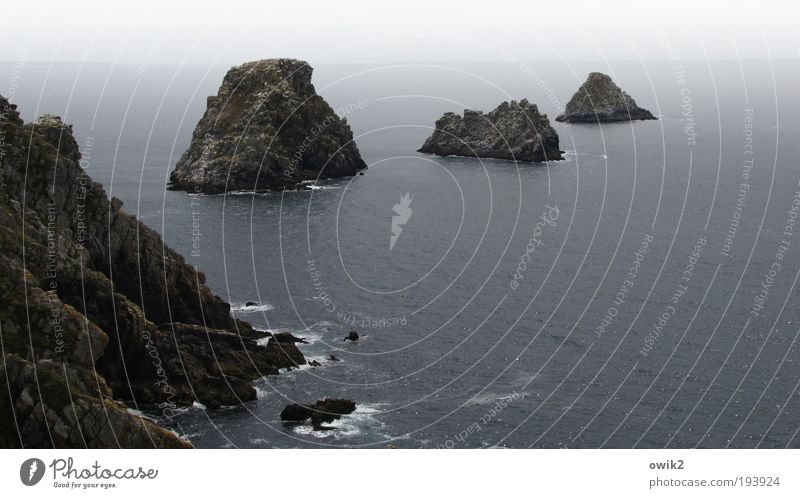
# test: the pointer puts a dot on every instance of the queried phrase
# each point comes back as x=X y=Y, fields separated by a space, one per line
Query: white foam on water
x=260 y=391
x=180 y=410
x=139 y=414
x=262 y=341
x=243 y=308
x=311 y=337
x=359 y=422
x=307 y=430
x=241 y=192
x=492 y=398
x=313 y=185
x=308 y=334
x=260 y=441
x=323 y=360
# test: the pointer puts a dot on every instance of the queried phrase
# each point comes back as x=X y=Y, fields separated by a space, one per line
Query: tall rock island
x=266 y=129
x=514 y=130
x=98 y=315
x=600 y=100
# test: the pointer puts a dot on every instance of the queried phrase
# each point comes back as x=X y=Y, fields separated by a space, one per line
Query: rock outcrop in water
x=96 y=310
x=599 y=99
x=266 y=129
x=514 y=130
x=321 y=412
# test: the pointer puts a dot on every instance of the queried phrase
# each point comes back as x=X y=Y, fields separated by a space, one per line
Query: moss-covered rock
x=266 y=129
x=83 y=286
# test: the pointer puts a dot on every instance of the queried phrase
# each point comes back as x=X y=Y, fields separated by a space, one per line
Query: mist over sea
x=640 y=293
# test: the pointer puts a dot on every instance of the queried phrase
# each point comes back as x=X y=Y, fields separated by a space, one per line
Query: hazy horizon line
x=409 y=62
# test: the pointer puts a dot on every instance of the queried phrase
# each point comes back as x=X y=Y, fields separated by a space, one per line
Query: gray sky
x=231 y=31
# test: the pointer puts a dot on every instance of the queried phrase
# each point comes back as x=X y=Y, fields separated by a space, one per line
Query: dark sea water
x=461 y=346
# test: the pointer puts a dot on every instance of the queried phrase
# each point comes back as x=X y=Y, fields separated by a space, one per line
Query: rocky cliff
x=514 y=130
x=599 y=99
x=266 y=129
x=98 y=314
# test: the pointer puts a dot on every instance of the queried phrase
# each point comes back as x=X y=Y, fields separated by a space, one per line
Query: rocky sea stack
x=322 y=412
x=514 y=130
x=266 y=129
x=599 y=99
x=98 y=314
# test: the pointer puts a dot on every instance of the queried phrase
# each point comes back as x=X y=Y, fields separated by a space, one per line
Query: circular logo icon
x=31 y=471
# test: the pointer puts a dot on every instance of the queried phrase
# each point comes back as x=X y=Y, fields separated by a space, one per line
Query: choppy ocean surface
x=641 y=293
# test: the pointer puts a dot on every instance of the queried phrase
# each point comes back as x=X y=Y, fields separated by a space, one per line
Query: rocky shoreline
x=266 y=129
x=99 y=314
x=513 y=131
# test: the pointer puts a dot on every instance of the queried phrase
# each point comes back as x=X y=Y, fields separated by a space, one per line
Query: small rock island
x=322 y=412
x=514 y=130
x=266 y=129
x=600 y=100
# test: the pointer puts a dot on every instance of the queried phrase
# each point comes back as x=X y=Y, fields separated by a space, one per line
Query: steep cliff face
x=97 y=310
x=514 y=130
x=599 y=99
x=266 y=129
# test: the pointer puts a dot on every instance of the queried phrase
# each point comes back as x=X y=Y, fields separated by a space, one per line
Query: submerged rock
x=321 y=412
x=266 y=129
x=599 y=99
x=514 y=130
x=96 y=309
